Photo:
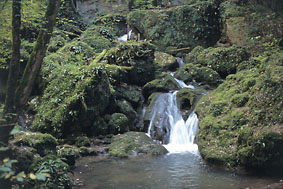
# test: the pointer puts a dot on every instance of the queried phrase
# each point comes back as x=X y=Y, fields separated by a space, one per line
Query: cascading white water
x=166 y=116
x=182 y=133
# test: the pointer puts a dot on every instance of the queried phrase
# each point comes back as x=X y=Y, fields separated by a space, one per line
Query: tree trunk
x=15 y=60
x=36 y=58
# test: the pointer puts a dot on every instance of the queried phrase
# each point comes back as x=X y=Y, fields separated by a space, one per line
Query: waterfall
x=168 y=118
x=167 y=124
x=125 y=37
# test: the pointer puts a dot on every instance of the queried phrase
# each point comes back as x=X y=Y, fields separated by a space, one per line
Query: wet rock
x=165 y=84
x=130 y=143
x=186 y=99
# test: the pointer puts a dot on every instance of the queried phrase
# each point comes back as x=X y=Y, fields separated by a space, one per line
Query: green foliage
x=51 y=172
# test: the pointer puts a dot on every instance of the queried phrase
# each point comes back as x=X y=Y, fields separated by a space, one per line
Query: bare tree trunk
x=36 y=58
x=15 y=60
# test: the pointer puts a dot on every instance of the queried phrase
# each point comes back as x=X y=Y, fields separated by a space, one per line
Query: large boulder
x=191 y=73
x=138 y=56
x=241 y=121
x=42 y=143
x=178 y=27
x=134 y=143
x=223 y=60
x=74 y=99
x=163 y=63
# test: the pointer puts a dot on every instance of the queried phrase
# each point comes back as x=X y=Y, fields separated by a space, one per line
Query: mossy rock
x=69 y=153
x=191 y=73
x=97 y=43
x=252 y=26
x=126 y=108
x=164 y=84
x=223 y=60
x=117 y=74
x=118 y=123
x=164 y=62
x=241 y=121
x=186 y=100
x=134 y=143
x=75 y=52
x=179 y=27
x=82 y=141
x=43 y=143
x=131 y=93
x=73 y=100
x=137 y=55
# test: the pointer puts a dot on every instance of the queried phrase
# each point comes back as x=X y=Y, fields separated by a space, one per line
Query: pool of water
x=183 y=170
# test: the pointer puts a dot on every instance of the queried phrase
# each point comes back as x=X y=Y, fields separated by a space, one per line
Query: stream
x=178 y=170
x=182 y=167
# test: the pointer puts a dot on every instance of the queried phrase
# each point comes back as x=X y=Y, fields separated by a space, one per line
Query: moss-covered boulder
x=165 y=84
x=82 y=141
x=164 y=62
x=241 y=121
x=69 y=154
x=76 y=53
x=118 y=123
x=139 y=56
x=98 y=43
x=74 y=99
x=248 y=25
x=191 y=73
x=223 y=60
x=127 y=109
x=134 y=143
x=186 y=100
x=43 y=143
x=178 y=27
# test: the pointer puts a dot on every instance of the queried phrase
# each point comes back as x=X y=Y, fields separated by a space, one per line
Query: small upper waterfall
x=125 y=37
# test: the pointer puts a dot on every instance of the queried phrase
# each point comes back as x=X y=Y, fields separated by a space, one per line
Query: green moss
x=224 y=60
x=133 y=143
x=182 y=26
x=82 y=141
x=191 y=73
x=244 y=116
x=119 y=123
x=97 y=43
x=137 y=55
x=164 y=62
x=165 y=84
x=73 y=100
x=43 y=143
x=69 y=154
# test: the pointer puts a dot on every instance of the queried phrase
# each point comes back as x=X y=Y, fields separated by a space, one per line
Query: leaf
x=15 y=130
x=40 y=176
x=20 y=179
x=32 y=176
x=6 y=160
